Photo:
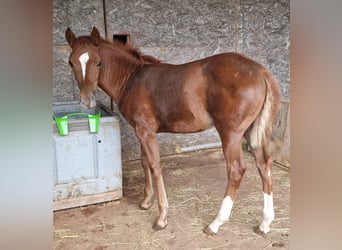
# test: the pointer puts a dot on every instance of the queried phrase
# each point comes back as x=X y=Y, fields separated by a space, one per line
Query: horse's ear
x=70 y=37
x=95 y=36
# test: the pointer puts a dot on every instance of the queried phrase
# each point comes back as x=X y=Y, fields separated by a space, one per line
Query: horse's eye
x=71 y=65
x=99 y=64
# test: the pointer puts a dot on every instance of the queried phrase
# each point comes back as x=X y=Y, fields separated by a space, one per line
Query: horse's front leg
x=149 y=144
x=146 y=203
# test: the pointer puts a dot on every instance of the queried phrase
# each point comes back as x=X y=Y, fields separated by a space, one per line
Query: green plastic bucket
x=62 y=122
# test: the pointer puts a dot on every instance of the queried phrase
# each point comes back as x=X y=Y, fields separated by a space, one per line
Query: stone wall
x=177 y=31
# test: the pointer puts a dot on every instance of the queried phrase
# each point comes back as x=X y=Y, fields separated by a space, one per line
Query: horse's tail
x=261 y=128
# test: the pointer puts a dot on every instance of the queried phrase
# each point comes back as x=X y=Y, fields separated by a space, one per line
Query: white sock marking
x=268 y=213
x=83 y=60
x=223 y=214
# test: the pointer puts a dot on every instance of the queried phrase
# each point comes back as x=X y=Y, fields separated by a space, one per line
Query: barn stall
x=177 y=32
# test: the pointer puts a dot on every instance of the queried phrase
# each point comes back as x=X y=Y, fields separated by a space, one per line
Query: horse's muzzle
x=88 y=101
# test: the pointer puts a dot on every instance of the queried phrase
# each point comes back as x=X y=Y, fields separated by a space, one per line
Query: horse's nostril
x=83 y=100
x=86 y=101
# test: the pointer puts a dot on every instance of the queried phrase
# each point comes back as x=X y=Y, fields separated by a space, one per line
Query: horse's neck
x=112 y=80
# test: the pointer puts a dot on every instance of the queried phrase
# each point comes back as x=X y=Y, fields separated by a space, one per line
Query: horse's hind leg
x=146 y=203
x=263 y=162
x=236 y=168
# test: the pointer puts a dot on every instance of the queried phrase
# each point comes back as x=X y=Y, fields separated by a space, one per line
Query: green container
x=62 y=122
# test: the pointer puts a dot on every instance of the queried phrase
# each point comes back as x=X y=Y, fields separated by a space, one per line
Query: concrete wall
x=177 y=31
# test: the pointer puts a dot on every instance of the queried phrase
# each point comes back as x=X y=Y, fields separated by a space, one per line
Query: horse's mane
x=129 y=49
x=132 y=51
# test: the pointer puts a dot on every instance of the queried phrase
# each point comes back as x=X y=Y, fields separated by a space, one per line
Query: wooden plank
x=280 y=143
x=87 y=200
x=279 y=124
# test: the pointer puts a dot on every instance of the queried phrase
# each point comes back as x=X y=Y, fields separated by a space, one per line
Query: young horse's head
x=119 y=58
x=86 y=64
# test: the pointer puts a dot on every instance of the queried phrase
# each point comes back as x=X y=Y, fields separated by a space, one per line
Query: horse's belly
x=191 y=123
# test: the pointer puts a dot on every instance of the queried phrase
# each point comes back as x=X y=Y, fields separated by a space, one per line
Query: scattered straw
x=68 y=234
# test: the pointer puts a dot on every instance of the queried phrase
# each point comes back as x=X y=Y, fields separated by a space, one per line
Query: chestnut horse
x=229 y=91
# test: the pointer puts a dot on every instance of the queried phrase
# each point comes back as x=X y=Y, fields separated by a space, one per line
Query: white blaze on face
x=83 y=60
x=223 y=214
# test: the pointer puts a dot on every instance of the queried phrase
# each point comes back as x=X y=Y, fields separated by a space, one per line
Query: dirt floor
x=195 y=184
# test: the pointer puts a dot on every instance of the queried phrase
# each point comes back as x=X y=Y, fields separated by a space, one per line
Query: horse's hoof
x=159 y=226
x=258 y=231
x=144 y=206
x=208 y=231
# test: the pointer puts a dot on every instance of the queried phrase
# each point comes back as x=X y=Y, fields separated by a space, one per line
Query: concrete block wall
x=177 y=31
